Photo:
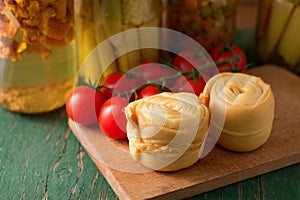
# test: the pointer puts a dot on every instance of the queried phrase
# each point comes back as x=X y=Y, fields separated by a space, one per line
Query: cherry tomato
x=217 y=51
x=227 y=67
x=223 y=53
x=110 y=81
x=185 y=84
x=112 y=119
x=187 y=60
x=152 y=71
x=124 y=88
x=117 y=83
x=148 y=91
x=83 y=105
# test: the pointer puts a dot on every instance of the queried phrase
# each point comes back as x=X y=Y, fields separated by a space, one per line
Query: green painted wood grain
x=282 y=184
x=40 y=158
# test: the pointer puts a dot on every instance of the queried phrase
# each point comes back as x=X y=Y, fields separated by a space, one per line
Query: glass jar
x=98 y=20
x=37 y=54
x=209 y=22
x=278 y=33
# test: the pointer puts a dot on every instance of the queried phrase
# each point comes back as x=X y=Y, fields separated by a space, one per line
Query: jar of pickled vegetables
x=37 y=54
x=278 y=33
x=97 y=20
x=209 y=22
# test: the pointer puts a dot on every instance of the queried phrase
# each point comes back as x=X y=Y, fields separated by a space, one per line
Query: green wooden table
x=40 y=158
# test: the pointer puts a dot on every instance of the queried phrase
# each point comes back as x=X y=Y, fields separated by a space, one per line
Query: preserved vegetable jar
x=37 y=54
x=278 y=33
x=97 y=20
x=210 y=22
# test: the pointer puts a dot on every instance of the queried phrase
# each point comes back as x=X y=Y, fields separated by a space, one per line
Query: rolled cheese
x=167 y=131
x=249 y=109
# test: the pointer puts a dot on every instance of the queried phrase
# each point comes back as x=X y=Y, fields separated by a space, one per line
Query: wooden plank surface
x=220 y=167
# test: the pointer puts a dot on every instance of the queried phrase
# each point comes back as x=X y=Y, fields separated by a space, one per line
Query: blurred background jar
x=97 y=20
x=37 y=54
x=278 y=33
x=209 y=22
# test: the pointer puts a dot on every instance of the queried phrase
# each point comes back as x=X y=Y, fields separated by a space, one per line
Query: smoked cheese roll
x=167 y=131
x=248 y=103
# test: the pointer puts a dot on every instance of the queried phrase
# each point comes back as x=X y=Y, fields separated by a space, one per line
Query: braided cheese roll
x=167 y=131
x=249 y=109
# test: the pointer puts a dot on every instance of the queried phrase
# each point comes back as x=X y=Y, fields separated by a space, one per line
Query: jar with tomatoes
x=278 y=33
x=37 y=54
x=209 y=22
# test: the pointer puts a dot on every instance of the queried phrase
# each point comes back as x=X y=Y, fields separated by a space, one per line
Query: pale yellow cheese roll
x=167 y=131
x=248 y=103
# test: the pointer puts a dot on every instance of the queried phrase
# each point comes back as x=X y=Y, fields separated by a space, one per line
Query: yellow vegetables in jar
x=278 y=33
x=100 y=19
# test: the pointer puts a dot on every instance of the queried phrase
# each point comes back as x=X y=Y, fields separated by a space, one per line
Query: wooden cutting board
x=220 y=167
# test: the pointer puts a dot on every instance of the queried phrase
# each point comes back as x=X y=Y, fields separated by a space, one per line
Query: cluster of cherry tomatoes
x=105 y=104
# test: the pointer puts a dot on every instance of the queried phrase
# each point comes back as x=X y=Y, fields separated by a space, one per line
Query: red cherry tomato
x=217 y=51
x=148 y=91
x=124 y=88
x=83 y=105
x=223 y=53
x=117 y=83
x=153 y=71
x=187 y=60
x=110 y=81
x=184 y=84
x=112 y=119
x=239 y=64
